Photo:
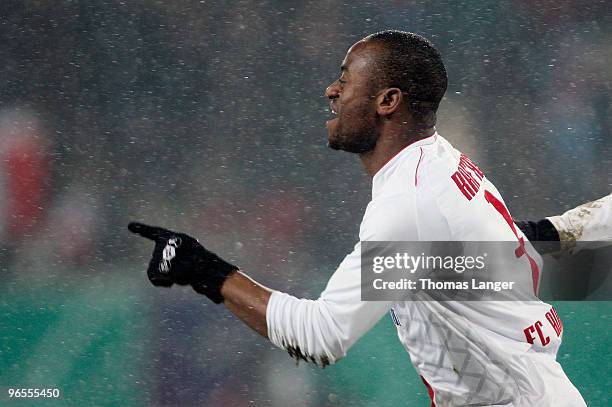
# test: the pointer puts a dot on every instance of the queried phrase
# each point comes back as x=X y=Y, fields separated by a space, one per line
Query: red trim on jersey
x=429 y=391
x=435 y=136
x=416 y=172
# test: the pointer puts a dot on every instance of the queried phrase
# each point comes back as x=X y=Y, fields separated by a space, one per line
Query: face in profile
x=355 y=128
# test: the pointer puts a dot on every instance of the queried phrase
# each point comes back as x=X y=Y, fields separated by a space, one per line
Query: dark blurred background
x=208 y=117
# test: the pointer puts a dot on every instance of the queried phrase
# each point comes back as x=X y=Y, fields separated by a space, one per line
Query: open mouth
x=333 y=108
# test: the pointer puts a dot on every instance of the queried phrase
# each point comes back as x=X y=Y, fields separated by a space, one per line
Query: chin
x=332 y=142
x=352 y=143
x=336 y=141
x=355 y=148
x=356 y=139
x=333 y=145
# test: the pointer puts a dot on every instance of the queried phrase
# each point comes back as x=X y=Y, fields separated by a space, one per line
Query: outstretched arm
x=589 y=224
x=319 y=331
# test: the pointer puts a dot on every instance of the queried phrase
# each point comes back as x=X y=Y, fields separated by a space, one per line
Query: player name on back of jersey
x=467 y=177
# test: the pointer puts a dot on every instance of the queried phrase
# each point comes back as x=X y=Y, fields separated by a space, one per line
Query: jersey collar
x=386 y=170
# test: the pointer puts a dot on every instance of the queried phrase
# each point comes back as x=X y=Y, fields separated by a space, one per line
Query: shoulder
x=447 y=183
x=390 y=217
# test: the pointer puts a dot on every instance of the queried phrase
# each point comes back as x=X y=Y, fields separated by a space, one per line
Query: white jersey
x=468 y=353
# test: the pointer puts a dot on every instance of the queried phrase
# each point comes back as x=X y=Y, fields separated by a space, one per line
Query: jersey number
x=520 y=250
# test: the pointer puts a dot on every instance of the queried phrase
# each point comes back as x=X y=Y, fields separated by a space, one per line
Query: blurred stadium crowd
x=208 y=117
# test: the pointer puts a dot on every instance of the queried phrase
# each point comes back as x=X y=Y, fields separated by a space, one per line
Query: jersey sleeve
x=322 y=330
x=589 y=224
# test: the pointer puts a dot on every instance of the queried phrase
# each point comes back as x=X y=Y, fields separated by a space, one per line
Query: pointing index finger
x=150 y=232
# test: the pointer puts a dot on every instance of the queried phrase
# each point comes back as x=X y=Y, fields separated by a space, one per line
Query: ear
x=388 y=101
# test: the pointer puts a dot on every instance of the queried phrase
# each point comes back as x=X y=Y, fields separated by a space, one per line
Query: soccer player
x=423 y=189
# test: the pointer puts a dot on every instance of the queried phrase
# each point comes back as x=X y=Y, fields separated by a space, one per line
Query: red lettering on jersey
x=465 y=180
x=537 y=327
x=528 y=334
x=555 y=321
x=543 y=340
x=463 y=185
x=465 y=162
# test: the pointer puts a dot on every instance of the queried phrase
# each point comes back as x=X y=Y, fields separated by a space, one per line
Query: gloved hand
x=542 y=235
x=180 y=259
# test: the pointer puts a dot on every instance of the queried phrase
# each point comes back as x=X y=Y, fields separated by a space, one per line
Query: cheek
x=357 y=113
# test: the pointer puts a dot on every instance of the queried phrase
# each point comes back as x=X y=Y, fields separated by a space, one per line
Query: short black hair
x=413 y=64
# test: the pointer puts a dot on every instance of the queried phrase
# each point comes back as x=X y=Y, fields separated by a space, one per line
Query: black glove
x=180 y=259
x=541 y=234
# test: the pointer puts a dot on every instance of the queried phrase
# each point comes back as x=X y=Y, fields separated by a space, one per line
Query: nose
x=333 y=90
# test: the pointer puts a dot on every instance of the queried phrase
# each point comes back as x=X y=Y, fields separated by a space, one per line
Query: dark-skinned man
x=423 y=189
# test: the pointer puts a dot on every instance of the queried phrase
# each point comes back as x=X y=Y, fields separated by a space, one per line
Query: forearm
x=318 y=331
x=248 y=300
x=589 y=224
x=298 y=325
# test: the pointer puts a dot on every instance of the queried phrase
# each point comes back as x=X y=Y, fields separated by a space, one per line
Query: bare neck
x=388 y=145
